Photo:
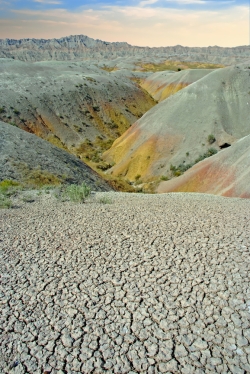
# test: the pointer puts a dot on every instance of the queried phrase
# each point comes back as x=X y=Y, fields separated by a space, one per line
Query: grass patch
x=7 y=188
x=105 y=200
x=5 y=202
x=7 y=183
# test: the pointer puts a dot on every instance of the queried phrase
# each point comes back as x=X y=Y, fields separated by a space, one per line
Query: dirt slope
x=26 y=158
x=176 y=131
x=69 y=103
x=226 y=173
x=164 y=84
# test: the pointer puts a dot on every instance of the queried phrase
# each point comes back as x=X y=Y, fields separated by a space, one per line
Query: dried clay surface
x=145 y=284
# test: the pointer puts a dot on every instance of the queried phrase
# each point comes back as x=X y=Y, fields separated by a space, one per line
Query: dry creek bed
x=146 y=284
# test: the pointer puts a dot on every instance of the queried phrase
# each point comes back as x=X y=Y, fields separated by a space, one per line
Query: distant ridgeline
x=78 y=47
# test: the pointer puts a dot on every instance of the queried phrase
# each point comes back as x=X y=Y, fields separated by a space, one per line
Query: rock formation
x=79 y=47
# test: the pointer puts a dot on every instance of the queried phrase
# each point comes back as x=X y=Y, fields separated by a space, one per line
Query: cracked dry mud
x=147 y=284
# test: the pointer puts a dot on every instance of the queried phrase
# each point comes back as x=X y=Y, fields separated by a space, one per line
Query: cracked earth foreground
x=147 y=284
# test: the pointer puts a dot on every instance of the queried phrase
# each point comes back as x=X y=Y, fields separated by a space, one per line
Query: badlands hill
x=28 y=159
x=163 y=84
x=82 y=95
x=74 y=105
x=79 y=47
x=179 y=129
x=226 y=173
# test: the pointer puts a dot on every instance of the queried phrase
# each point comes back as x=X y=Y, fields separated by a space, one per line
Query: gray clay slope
x=22 y=153
x=69 y=102
x=218 y=104
x=79 y=47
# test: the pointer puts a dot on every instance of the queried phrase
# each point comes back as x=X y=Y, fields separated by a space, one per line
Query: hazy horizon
x=152 y=23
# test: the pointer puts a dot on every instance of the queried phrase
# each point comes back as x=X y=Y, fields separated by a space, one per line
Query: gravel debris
x=144 y=284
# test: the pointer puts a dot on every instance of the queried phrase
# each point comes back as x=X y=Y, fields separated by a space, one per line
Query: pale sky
x=143 y=23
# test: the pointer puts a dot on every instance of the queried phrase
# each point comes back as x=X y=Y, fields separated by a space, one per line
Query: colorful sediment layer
x=166 y=83
x=178 y=130
x=226 y=173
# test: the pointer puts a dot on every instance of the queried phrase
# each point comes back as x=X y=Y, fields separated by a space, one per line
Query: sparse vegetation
x=180 y=169
x=118 y=183
x=210 y=152
x=39 y=178
x=92 y=152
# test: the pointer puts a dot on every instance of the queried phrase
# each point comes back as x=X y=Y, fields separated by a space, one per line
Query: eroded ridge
x=147 y=284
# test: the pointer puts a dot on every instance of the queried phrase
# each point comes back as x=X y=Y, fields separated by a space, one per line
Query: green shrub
x=6 y=183
x=164 y=178
x=137 y=177
x=211 y=139
x=77 y=193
